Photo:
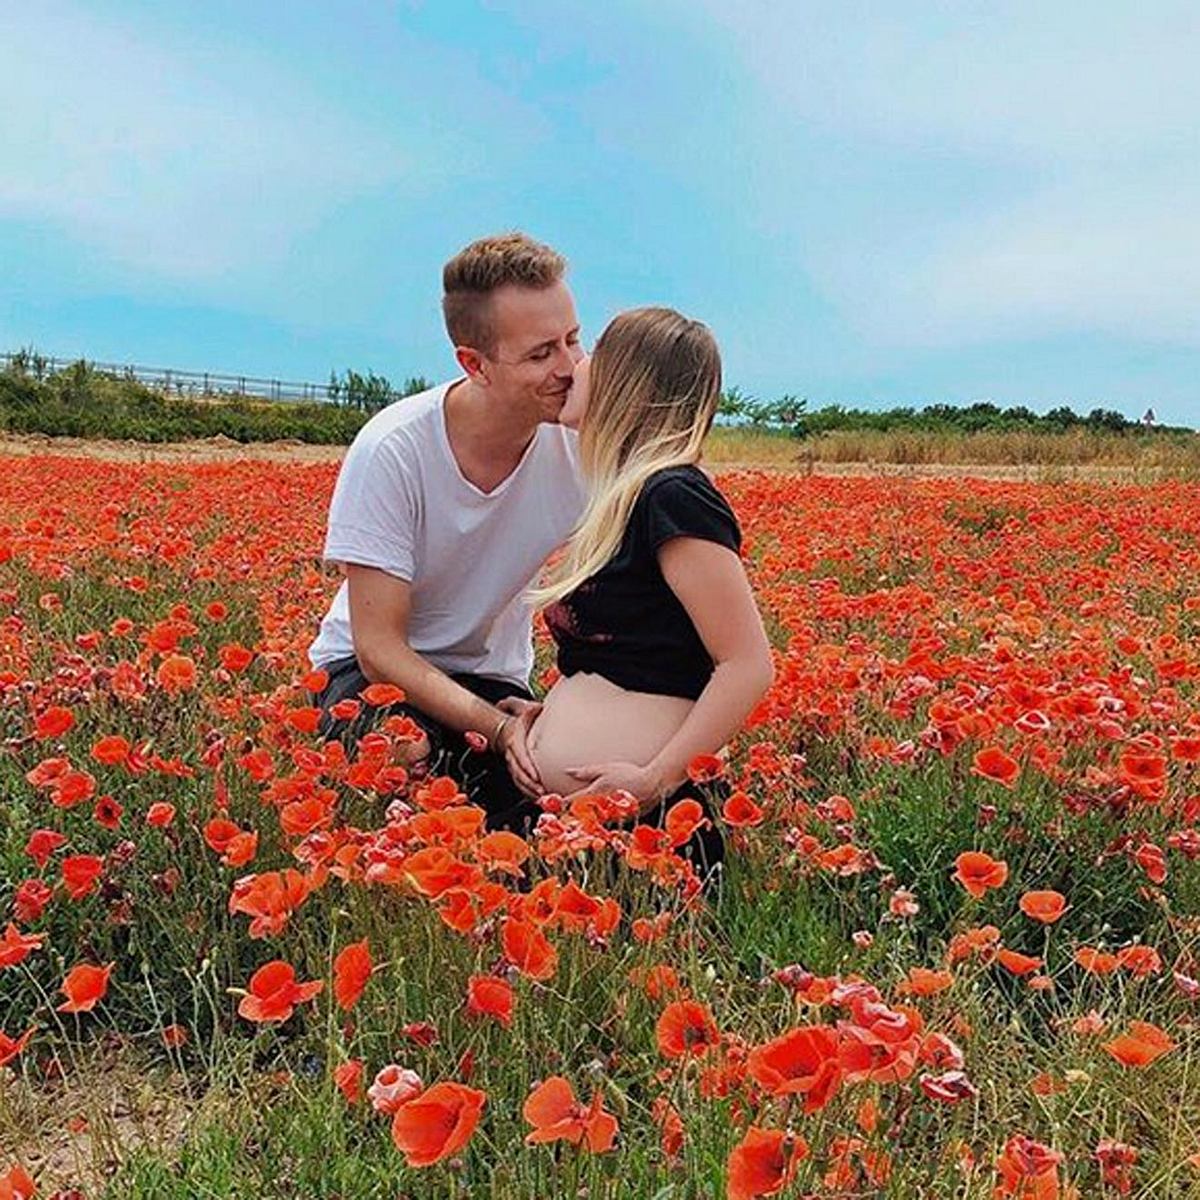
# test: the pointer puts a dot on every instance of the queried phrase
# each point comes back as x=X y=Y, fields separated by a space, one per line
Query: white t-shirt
x=401 y=504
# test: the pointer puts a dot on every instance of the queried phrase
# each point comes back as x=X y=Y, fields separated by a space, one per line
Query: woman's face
x=577 y=398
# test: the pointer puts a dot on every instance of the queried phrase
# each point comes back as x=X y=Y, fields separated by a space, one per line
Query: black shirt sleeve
x=685 y=503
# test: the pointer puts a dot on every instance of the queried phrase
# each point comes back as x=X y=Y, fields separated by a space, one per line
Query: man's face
x=532 y=363
x=576 y=406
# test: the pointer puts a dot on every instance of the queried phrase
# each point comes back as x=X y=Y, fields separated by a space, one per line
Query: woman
x=661 y=648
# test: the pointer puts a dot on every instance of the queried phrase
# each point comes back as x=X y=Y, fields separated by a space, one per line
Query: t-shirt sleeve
x=374 y=511
x=688 y=506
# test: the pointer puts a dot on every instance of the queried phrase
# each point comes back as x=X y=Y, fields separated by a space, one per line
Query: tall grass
x=1169 y=455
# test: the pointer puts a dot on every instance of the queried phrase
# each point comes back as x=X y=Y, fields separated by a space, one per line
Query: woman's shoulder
x=685 y=500
x=683 y=478
x=681 y=484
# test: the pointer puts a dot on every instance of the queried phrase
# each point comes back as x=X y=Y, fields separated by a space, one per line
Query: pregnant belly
x=587 y=719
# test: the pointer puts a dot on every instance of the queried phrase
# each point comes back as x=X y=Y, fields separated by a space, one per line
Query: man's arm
x=379 y=613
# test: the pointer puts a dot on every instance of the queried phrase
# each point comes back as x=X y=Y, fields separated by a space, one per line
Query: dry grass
x=1163 y=455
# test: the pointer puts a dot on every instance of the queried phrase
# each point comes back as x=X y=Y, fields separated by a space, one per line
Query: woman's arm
x=711 y=584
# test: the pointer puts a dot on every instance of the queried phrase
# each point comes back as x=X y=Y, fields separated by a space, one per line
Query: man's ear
x=473 y=363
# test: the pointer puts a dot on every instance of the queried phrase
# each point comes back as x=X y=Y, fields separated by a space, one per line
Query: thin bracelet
x=504 y=720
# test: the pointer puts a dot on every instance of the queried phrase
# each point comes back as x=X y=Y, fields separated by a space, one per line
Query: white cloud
x=1070 y=133
x=1122 y=258
x=179 y=162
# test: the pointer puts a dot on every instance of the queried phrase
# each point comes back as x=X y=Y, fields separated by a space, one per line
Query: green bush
x=85 y=403
x=791 y=415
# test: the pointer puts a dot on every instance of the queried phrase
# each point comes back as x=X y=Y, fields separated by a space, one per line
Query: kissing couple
x=449 y=504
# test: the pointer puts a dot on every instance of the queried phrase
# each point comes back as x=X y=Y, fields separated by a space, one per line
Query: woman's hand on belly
x=602 y=779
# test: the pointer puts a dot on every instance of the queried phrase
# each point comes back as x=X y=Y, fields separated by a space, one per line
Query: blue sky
x=870 y=203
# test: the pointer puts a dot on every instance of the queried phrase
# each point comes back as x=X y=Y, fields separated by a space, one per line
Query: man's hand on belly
x=515 y=744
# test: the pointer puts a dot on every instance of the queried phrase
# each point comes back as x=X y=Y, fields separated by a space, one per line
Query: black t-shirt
x=624 y=622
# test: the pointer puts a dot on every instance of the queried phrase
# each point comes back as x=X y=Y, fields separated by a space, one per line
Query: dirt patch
x=75 y=1132
x=215 y=449
x=220 y=449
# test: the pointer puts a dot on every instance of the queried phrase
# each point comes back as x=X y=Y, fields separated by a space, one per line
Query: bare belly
x=588 y=720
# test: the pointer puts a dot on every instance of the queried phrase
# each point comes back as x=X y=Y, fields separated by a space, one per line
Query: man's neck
x=487 y=441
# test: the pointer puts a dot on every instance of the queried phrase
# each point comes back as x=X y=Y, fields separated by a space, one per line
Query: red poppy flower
x=274 y=993
x=11 y=1047
x=299 y=818
x=379 y=695
x=30 y=900
x=658 y=981
x=347 y=1078
x=741 y=812
x=1151 y=859
x=269 y=899
x=993 y=763
x=351 y=970
x=490 y=996
x=503 y=851
x=803 y=1061
x=176 y=673
x=436 y=870
x=951 y=1087
x=922 y=981
x=160 y=814
x=1096 y=962
x=437 y=1123
x=978 y=872
x=683 y=818
x=174 y=1036
x=234 y=657
x=236 y=847
x=528 y=949
x=1018 y=964
x=72 y=788
x=1140 y=1046
x=1046 y=906
x=107 y=812
x=17 y=1184
x=763 y=1163
x=1186 y=749
x=556 y=1115
x=80 y=874
x=54 y=722
x=16 y=946
x=686 y=1029
x=1028 y=1170
x=878 y=1043
x=42 y=843
x=111 y=750
x=705 y=768
x=84 y=987
x=1140 y=960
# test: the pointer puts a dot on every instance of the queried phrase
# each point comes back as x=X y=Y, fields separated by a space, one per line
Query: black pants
x=483 y=775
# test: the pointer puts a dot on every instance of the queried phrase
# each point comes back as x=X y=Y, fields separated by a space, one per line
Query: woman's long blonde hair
x=654 y=387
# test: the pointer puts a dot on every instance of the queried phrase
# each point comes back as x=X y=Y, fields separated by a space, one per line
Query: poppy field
x=955 y=950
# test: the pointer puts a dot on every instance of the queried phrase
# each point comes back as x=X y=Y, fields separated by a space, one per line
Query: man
x=446 y=507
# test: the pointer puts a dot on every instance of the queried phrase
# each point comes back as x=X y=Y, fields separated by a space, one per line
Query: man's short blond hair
x=473 y=274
